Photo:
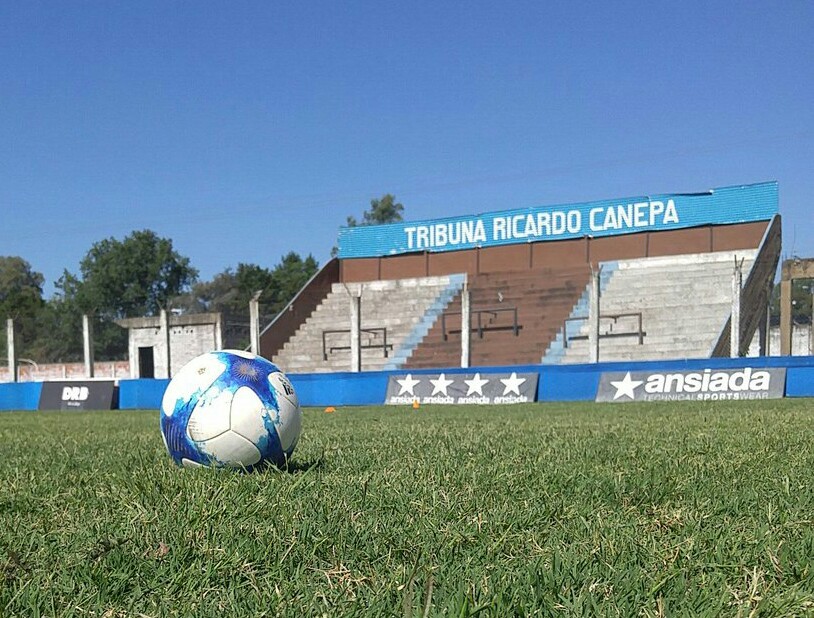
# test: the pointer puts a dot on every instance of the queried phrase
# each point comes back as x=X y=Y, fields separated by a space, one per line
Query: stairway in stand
x=540 y=300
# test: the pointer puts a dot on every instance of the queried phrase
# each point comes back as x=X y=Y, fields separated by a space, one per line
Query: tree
x=20 y=299
x=130 y=278
x=288 y=278
x=230 y=291
x=133 y=277
x=205 y=296
x=60 y=325
x=801 y=291
x=250 y=279
x=382 y=210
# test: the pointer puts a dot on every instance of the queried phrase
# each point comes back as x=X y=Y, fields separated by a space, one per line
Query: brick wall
x=66 y=371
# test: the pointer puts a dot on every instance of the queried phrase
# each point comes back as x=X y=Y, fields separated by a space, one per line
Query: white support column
x=254 y=322
x=219 y=332
x=466 y=322
x=811 y=326
x=165 y=330
x=735 y=321
x=87 y=340
x=356 y=329
x=593 y=317
x=12 y=356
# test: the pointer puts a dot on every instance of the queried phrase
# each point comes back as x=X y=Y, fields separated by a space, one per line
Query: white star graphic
x=476 y=385
x=440 y=385
x=625 y=387
x=512 y=383
x=407 y=384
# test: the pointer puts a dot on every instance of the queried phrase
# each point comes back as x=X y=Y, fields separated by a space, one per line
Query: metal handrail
x=384 y=346
x=493 y=311
x=615 y=317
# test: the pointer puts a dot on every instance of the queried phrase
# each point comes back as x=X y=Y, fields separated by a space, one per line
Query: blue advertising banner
x=726 y=205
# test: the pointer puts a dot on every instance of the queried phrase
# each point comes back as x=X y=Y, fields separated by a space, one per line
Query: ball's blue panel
x=174 y=429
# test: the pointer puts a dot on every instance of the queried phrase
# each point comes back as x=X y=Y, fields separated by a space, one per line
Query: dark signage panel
x=78 y=395
x=699 y=385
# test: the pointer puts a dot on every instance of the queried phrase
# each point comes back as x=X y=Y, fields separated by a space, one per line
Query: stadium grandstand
x=646 y=278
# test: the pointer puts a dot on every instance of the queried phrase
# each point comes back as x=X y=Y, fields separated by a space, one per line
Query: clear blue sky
x=244 y=130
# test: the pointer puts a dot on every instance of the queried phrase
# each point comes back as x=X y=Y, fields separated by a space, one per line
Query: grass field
x=575 y=510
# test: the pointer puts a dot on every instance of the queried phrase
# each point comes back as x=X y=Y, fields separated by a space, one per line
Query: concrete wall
x=67 y=371
x=190 y=336
x=800 y=341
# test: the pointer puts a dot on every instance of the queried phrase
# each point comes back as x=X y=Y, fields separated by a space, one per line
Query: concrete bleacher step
x=684 y=302
x=398 y=306
x=542 y=298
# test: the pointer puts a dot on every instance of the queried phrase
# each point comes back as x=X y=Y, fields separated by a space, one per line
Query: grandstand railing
x=481 y=327
x=756 y=291
x=282 y=328
x=369 y=345
x=614 y=317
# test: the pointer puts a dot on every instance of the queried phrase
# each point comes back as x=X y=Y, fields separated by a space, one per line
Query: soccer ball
x=230 y=408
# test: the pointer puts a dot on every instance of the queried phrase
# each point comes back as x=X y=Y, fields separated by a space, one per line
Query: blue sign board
x=740 y=204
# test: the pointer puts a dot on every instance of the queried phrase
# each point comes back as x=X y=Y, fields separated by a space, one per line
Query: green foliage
x=288 y=277
x=230 y=291
x=671 y=509
x=382 y=210
x=59 y=325
x=20 y=300
x=133 y=277
x=801 y=294
x=218 y=295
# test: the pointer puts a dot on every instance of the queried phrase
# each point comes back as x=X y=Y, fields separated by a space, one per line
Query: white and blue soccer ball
x=232 y=409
